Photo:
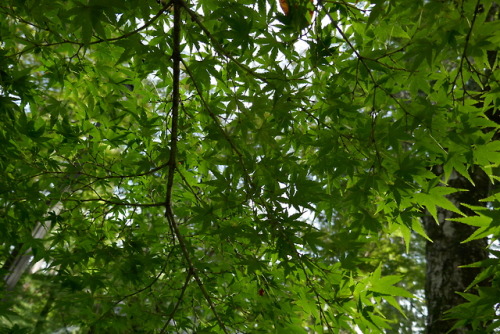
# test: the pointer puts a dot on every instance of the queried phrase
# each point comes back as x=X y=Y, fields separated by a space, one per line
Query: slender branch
x=169 y=214
x=189 y=186
x=212 y=115
x=144 y=205
x=155 y=279
x=220 y=49
x=362 y=60
x=217 y=122
x=464 y=52
x=346 y=4
x=176 y=59
x=81 y=173
x=98 y=41
x=346 y=39
x=179 y=300
x=42 y=317
x=187 y=257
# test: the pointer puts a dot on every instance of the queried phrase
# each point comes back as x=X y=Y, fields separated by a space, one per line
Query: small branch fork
x=172 y=163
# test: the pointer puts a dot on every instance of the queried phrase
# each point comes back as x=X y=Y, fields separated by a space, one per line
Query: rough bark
x=446 y=254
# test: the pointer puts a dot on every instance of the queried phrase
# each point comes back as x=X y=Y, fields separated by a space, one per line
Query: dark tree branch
x=172 y=164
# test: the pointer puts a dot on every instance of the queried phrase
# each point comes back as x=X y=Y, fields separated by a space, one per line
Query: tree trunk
x=446 y=254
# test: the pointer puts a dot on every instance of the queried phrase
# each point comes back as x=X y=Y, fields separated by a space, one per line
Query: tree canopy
x=236 y=166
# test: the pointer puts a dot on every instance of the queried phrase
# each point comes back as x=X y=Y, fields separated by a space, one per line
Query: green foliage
x=275 y=186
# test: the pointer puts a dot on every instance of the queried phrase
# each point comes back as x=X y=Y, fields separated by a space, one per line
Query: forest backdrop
x=250 y=166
